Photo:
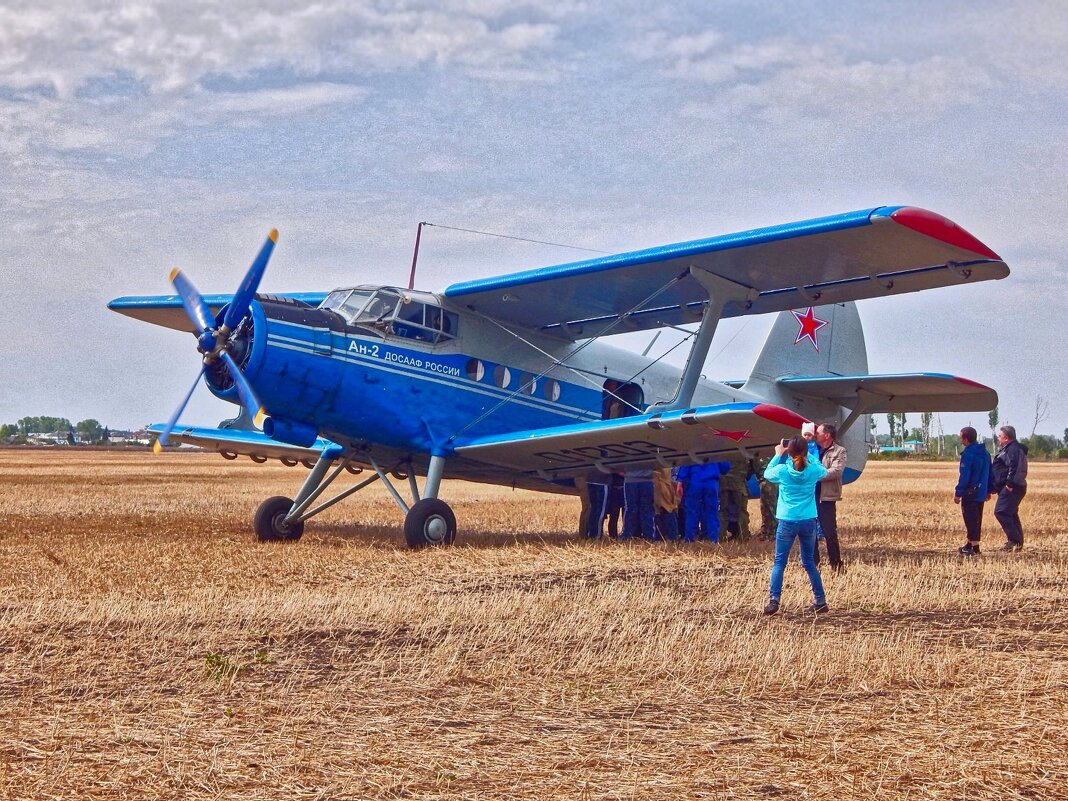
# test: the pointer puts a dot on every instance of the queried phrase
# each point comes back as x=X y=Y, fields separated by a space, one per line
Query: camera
x=785 y=443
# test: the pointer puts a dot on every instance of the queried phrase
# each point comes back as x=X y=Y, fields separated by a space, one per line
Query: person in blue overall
x=796 y=473
x=700 y=498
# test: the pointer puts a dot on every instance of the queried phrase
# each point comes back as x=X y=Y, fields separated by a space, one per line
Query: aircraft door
x=621 y=400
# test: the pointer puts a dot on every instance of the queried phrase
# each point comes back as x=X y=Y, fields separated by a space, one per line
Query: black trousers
x=595 y=521
x=972 y=512
x=614 y=509
x=1007 y=511
x=827 y=512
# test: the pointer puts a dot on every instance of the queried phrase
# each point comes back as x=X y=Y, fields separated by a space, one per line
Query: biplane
x=506 y=380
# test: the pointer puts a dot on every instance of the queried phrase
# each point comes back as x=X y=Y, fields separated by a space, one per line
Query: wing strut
x=866 y=399
x=720 y=292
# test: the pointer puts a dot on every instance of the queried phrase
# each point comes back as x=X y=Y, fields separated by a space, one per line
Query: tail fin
x=815 y=342
x=820 y=341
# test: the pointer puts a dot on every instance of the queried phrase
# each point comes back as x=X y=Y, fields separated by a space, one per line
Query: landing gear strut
x=428 y=521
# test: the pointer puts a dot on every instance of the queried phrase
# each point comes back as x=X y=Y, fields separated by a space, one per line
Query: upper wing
x=231 y=442
x=166 y=310
x=649 y=440
x=905 y=392
x=882 y=251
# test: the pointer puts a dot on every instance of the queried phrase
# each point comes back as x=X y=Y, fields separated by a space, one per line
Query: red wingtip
x=970 y=383
x=778 y=414
x=938 y=227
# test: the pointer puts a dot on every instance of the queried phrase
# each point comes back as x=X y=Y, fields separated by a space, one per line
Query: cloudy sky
x=135 y=137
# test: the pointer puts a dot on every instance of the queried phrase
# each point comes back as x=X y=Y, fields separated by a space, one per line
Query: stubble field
x=150 y=648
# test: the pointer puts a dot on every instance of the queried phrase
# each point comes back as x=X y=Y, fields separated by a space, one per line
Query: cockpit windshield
x=391 y=312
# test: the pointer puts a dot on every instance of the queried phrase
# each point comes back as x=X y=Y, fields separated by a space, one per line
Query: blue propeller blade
x=244 y=389
x=162 y=439
x=238 y=307
x=195 y=307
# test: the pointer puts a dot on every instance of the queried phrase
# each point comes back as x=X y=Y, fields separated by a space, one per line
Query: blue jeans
x=639 y=514
x=805 y=531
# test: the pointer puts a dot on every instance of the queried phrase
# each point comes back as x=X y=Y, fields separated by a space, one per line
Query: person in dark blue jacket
x=973 y=487
x=1008 y=479
x=700 y=498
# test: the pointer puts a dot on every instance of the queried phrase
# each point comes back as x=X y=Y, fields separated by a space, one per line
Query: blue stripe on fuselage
x=397 y=397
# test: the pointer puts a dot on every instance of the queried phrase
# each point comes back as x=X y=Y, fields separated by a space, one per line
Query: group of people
x=690 y=503
x=799 y=488
x=802 y=483
x=982 y=478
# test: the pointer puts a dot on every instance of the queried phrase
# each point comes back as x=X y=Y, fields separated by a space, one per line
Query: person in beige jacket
x=829 y=492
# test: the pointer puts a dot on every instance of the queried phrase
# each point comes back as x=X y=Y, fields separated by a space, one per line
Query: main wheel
x=430 y=522
x=270 y=524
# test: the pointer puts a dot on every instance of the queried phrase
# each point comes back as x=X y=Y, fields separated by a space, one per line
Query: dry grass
x=149 y=648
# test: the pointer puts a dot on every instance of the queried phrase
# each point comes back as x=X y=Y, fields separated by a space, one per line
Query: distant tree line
x=90 y=430
x=1038 y=445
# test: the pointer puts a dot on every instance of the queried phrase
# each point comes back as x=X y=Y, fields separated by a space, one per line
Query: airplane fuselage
x=375 y=388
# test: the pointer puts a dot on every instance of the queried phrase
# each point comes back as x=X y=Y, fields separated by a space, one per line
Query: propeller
x=214 y=342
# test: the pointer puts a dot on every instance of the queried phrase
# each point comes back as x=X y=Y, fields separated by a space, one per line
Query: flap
x=903 y=392
x=871 y=253
x=660 y=439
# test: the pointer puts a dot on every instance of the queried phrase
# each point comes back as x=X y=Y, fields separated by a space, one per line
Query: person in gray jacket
x=1008 y=478
x=829 y=492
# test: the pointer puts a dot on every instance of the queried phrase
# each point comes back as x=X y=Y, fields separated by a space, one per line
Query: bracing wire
x=556 y=362
x=516 y=238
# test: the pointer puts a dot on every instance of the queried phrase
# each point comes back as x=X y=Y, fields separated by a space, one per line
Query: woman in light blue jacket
x=797 y=474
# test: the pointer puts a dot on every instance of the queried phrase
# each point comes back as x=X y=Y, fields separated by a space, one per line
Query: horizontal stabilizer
x=243 y=443
x=903 y=392
x=659 y=439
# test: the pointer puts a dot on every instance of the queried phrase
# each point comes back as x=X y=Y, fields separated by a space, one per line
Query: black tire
x=287 y=461
x=354 y=469
x=268 y=521
x=228 y=455
x=257 y=458
x=429 y=523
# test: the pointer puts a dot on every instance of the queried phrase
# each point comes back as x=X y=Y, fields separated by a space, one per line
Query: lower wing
x=237 y=442
x=660 y=439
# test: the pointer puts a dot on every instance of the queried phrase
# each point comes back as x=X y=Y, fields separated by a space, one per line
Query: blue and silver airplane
x=506 y=380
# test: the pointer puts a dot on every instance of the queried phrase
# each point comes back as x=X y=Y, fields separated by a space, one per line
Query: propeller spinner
x=216 y=341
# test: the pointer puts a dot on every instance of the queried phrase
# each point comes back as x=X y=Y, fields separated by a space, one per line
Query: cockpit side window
x=424 y=321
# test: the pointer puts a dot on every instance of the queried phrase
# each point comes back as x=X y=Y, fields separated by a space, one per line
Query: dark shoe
x=839 y=568
x=818 y=609
x=968 y=550
x=772 y=607
x=1010 y=547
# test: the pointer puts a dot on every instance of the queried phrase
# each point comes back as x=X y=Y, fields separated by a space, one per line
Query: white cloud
x=830 y=88
x=171 y=47
x=292 y=100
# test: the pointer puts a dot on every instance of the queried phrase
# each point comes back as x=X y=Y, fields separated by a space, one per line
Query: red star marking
x=737 y=436
x=810 y=324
